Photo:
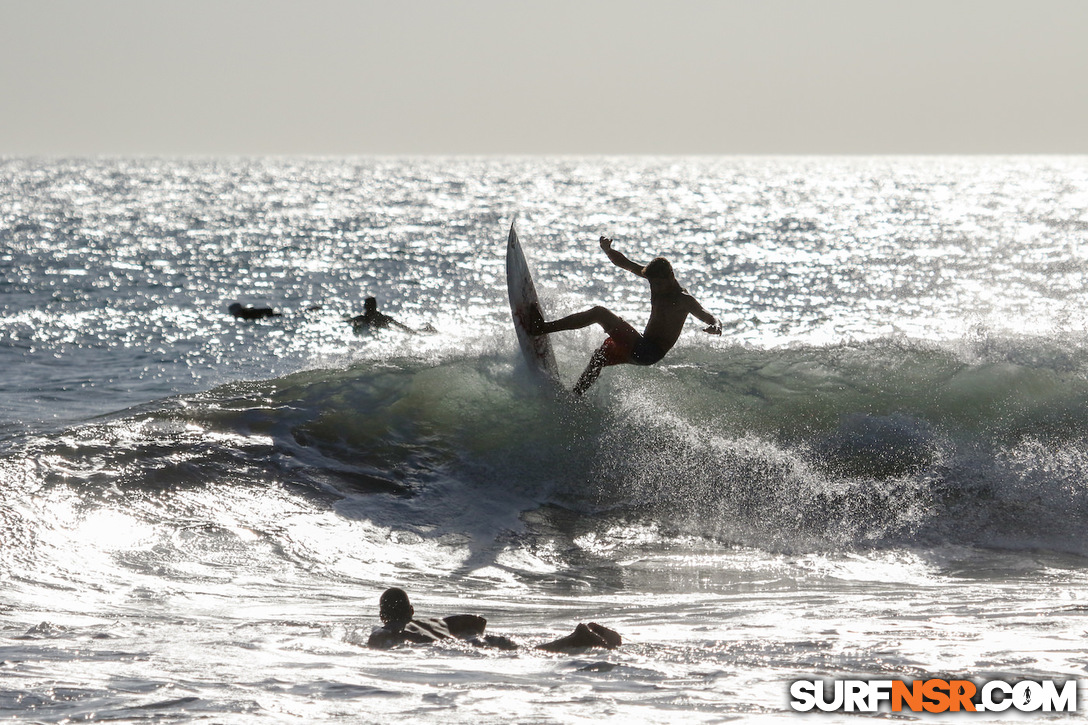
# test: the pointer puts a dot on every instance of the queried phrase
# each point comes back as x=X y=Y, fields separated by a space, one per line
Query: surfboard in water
x=537 y=350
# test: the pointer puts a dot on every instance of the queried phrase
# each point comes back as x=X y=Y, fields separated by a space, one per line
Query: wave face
x=885 y=443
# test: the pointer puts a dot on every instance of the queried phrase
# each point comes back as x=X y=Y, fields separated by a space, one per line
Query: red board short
x=629 y=348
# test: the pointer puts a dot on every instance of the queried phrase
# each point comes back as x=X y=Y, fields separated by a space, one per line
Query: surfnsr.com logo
x=933 y=695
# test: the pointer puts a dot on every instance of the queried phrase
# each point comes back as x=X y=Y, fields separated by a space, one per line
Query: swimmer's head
x=394 y=605
x=370 y=304
x=659 y=268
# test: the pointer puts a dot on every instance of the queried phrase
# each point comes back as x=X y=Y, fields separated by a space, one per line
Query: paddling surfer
x=399 y=626
x=371 y=319
x=670 y=305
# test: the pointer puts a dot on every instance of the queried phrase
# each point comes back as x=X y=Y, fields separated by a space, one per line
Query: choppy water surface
x=878 y=471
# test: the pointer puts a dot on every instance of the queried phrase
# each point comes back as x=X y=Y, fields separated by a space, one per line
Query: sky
x=332 y=77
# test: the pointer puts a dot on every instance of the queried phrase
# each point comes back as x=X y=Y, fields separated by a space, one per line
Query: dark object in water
x=251 y=312
x=399 y=627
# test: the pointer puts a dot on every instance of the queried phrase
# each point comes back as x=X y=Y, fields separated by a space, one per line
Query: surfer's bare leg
x=591 y=373
x=608 y=320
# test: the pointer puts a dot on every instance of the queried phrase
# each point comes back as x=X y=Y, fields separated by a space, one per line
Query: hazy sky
x=566 y=77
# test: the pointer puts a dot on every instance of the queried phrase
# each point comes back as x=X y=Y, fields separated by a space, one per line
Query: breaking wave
x=862 y=445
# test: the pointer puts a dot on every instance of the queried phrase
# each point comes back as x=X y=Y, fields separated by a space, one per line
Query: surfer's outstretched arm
x=619 y=260
x=697 y=311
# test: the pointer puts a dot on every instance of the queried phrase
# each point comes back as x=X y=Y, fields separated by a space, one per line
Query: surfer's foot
x=536 y=320
x=583 y=636
x=611 y=637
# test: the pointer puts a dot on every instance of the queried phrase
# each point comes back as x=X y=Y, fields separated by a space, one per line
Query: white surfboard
x=537 y=350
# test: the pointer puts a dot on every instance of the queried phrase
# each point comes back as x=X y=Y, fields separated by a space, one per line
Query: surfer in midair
x=670 y=305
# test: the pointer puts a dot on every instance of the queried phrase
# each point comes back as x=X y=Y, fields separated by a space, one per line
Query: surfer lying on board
x=251 y=312
x=670 y=305
x=398 y=627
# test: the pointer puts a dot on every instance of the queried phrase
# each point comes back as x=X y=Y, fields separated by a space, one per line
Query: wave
x=883 y=443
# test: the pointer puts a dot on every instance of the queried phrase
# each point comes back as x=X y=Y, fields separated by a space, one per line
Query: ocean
x=878 y=471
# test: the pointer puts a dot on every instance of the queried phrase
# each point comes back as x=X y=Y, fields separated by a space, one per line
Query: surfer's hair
x=658 y=268
x=394 y=606
x=371 y=303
